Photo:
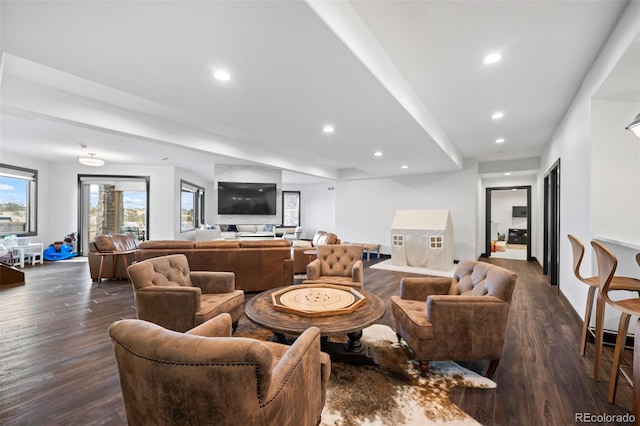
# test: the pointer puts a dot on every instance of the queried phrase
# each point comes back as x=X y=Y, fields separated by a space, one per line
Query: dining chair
x=628 y=306
x=617 y=283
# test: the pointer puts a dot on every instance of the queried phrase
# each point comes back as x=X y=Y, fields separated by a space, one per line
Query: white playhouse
x=422 y=238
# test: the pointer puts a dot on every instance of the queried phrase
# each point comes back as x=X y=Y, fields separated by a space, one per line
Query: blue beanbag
x=64 y=251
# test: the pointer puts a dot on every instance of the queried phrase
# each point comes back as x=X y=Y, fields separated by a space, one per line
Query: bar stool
x=607 y=264
x=617 y=283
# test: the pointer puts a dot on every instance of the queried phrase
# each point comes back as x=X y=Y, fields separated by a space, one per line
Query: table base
x=352 y=352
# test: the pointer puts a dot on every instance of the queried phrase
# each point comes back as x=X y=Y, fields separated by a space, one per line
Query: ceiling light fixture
x=507 y=174
x=497 y=115
x=499 y=140
x=91 y=160
x=378 y=154
x=328 y=128
x=221 y=75
x=634 y=126
x=492 y=58
x=404 y=167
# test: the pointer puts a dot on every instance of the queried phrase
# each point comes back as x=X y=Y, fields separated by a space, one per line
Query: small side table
x=368 y=247
x=114 y=261
x=32 y=250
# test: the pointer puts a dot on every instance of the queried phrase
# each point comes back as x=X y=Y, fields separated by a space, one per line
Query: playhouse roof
x=429 y=220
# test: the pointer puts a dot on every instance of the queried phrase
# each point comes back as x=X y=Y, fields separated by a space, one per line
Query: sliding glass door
x=112 y=205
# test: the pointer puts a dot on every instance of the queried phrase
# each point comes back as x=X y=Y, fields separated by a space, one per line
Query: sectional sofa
x=258 y=264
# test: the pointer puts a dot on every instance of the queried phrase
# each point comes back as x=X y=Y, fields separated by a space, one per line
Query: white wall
x=365 y=208
x=318 y=209
x=502 y=203
x=615 y=171
x=572 y=143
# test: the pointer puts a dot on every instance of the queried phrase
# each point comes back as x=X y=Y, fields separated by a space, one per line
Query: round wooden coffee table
x=260 y=310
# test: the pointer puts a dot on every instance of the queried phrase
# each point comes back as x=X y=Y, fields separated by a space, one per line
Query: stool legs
x=597 y=358
x=587 y=318
x=623 y=327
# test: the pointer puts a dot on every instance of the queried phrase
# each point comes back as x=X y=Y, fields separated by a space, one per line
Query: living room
x=351 y=192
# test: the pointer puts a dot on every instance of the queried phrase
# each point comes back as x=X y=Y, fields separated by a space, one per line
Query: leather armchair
x=339 y=264
x=459 y=318
x=205 y=376
x=301 y=260
x=167 y=293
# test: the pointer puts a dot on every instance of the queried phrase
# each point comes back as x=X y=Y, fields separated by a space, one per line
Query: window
x=436 y=242
x=18 y=200
x=191 y=206
x=398 y=240
x=290 y=208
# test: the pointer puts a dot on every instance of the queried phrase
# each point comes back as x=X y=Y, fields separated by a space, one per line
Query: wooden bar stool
x=607 y=264
x=617 y=283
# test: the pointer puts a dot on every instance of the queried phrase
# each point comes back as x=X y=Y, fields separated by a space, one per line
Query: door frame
x=551 y=227
x=487 y=225
x=80 y=231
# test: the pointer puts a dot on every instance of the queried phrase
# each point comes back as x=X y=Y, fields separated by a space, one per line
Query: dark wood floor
x=57 y=367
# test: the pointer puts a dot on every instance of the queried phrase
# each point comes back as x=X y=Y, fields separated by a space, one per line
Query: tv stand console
x=517 y=236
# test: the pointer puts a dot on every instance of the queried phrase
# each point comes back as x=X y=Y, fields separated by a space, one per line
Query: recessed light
x=404 y=167
x=513 y=189
x=492 y=58
x=378 y=154
x=221 y=75
x=497 y=115
x=328 y=128
x=499 y=140
x=508 y=174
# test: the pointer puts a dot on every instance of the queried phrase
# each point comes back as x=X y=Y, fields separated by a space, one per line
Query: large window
x=191 y=206
x=18 y=200
x=290 y=208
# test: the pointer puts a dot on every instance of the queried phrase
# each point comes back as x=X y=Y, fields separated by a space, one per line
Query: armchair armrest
x=357 y=272
x=486 y=312
x=213 y=282
x=421 y=288
x=302 y=357
x=219 y=326
x=313 y=270
x=165 y=305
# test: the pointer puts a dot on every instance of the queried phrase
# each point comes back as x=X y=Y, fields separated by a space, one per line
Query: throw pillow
x=268 y=228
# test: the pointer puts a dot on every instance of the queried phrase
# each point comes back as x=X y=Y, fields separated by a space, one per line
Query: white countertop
x=629 y=244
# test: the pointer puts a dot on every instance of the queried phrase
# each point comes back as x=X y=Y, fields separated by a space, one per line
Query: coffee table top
x=260 y=310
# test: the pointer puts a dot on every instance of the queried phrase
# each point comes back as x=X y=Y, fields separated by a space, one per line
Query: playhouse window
x=436 y=242
x=398 y=240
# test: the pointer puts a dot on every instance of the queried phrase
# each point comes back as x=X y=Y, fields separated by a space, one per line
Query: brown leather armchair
x=206 y=377
x=301 y=260
x=167 y=293
x=459 y=318
x=339 y=264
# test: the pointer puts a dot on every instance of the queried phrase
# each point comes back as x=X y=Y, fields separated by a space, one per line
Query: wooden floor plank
x=58 y=365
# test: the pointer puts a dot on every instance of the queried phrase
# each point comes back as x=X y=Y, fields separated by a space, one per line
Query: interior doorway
x=551 y=234
x=112 y=205
x=508 y=222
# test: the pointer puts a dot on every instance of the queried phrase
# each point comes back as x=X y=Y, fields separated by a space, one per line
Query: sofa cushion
x=217 y=244
x=247 y=228
x=171 y=244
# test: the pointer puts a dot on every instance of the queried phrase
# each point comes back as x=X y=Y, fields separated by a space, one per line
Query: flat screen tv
x=519 y=211
x=246 y=198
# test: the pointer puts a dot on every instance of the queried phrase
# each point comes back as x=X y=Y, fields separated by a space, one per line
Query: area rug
x=387 y=265
x=392 y=393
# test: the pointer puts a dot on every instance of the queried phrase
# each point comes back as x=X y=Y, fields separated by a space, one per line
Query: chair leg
x=597 y=358
x=101 y=270
x=491 y=368
x=587 y=318
x=623 y=327
x=424 y=367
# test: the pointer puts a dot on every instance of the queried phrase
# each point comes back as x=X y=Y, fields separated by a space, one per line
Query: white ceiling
x=131 y=81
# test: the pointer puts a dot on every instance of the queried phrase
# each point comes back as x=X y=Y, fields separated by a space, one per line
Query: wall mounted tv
x=519 y=211
x=247 y=198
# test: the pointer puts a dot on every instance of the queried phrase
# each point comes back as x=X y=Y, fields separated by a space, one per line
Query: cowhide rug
x=392 y=393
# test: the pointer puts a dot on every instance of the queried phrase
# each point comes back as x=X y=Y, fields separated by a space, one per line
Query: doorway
x=112 y=205
x=551 y=237
x=508 y=222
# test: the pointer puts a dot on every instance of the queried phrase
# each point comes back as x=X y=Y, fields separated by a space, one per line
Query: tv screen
x=246 y=198
x=519 y=211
